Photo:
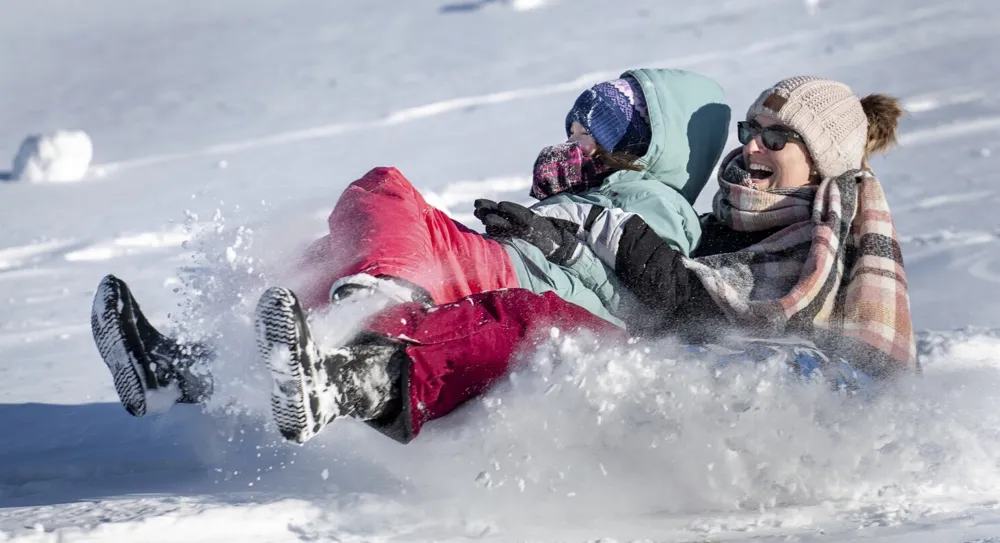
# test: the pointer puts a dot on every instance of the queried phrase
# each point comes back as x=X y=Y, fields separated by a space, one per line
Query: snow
x=524 y=5
x=226 y=132
x=160 y=400
x=62 y=156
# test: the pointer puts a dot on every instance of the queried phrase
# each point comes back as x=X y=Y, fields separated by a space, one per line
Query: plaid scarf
x=794 y=281
x=564 y=167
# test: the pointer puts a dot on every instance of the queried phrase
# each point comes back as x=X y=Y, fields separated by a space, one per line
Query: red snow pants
x=382 y=226
x=459 y=350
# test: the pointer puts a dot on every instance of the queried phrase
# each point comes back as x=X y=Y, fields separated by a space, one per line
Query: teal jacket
x=690 y=124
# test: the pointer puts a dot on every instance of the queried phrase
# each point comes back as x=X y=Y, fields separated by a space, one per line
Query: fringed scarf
x=834 y=273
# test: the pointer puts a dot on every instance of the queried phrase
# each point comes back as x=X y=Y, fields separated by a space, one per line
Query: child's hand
x=556 y=238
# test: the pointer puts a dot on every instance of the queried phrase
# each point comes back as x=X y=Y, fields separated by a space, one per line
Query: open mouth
x=760 y=172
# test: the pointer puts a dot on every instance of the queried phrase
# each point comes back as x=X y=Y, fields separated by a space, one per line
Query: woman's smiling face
x=789 y=167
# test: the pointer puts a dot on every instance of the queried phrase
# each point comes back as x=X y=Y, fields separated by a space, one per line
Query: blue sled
x=805 y=361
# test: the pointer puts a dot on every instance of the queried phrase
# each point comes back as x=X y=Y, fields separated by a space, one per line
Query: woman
x=645 y=143
x=800 y=242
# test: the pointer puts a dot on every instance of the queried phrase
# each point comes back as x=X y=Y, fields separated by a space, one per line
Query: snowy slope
x=236 y=124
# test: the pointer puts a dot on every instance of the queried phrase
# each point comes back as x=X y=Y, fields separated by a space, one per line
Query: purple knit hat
x=614 y=112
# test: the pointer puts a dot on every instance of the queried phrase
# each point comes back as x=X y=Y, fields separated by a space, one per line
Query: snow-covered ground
x=223 y=133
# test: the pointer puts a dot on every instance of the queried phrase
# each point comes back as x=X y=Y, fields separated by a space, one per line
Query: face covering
x=564 y=167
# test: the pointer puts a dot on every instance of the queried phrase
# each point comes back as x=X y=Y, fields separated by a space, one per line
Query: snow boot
x=151 y=372
x=313 y=388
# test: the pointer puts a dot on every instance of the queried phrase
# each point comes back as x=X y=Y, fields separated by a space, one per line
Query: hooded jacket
x=689 y=121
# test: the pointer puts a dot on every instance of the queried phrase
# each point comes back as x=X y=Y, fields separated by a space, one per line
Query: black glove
x=556 y=238
x=651 y=269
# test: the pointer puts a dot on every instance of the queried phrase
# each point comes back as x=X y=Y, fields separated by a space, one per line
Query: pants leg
x=459 y=350
x=383 y=226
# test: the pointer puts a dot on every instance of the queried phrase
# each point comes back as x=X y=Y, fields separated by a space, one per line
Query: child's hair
x=883 y=114
x=620 y=160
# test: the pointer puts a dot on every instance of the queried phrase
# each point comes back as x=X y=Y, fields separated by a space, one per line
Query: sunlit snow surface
x=224 y=132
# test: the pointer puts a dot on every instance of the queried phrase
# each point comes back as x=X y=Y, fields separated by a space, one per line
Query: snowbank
x=61 y=156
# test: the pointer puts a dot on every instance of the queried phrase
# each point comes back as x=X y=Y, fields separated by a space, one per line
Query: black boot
x=313 y=388
x=151 y=371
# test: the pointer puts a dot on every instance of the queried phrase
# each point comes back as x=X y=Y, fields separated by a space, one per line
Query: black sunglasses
x=774 y=138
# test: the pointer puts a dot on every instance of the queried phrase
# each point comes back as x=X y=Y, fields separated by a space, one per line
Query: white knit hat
x=827 y=115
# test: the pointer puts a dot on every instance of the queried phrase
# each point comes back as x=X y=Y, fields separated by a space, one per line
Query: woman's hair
x=883 y=113
x=619 y=160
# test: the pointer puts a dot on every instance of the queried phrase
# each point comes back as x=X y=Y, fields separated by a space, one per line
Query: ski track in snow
x=32 y=255
x=416 y=113
x=129 y=245
x=961 y=244
x=961 y=128
x=932 y=202
x=43 y=334
x=25 y=255
x=463 y=194
x=931 y=102
x=973 y=251
x=952 y=130
x=948 y=238
x=459 y=195
x=513 y=188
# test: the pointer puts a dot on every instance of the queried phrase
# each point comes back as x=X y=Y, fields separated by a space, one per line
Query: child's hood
x=689 y=119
